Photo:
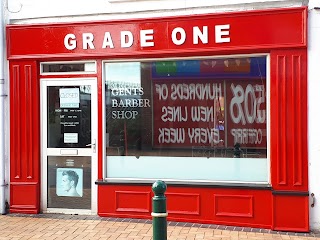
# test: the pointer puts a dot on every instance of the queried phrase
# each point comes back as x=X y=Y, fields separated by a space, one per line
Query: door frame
x=44 y=83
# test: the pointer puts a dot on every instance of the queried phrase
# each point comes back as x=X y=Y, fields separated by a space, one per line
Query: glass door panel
x=69 y=181
x=69 y=116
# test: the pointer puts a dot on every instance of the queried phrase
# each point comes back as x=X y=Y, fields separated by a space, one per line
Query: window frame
x=42 y=73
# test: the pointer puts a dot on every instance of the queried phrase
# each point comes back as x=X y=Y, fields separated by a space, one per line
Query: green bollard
x=159 y=208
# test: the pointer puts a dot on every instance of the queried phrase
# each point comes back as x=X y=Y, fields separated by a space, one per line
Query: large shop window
x=197 y=120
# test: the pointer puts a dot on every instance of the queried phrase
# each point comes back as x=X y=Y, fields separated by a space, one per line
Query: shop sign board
x=215 y=32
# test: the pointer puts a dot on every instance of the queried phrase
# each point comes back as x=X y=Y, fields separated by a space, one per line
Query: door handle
x=93 y=145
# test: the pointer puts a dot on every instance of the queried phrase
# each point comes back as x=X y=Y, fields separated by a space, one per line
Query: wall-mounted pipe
x=2 y=113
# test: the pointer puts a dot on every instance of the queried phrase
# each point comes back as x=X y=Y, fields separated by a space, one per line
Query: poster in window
x=69 y=182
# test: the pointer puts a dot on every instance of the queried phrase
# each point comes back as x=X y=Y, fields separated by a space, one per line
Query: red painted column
x=289 y=156
x=24 y=137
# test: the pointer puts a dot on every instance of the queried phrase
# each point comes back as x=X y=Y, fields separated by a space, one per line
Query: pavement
x=62 y=226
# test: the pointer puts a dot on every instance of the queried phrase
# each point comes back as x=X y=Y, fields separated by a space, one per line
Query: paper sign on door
x=69 y=97
x=70 y=137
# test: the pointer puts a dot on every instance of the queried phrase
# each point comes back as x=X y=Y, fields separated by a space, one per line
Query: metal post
x=159 y=208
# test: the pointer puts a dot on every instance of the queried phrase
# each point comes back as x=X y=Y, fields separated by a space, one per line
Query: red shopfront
x=214 y=105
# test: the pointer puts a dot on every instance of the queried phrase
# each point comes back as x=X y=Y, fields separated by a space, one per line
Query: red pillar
x=24 y=137
x=289 y=156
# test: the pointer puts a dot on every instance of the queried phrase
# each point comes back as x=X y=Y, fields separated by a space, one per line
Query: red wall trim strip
x=28 y=110
x=15 y=130
x=281 y=86
x=297 y=134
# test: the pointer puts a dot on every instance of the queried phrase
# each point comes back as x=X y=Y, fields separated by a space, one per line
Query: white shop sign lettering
x=178 y=37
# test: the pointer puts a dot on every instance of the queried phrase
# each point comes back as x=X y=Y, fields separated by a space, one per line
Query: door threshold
x=70 y=211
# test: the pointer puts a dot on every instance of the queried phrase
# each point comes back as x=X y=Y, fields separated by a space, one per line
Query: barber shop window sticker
x=69 y=182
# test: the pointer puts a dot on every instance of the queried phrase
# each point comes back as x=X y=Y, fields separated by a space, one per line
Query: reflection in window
x=187 y=108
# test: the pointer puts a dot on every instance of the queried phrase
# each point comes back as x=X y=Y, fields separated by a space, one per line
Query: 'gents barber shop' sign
x=211 y=32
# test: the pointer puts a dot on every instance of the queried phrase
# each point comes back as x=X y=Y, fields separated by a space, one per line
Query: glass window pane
x=66 y=68
x=188 y=115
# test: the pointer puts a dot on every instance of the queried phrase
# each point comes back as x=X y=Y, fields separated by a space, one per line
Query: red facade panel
x=288 y=104
x=24 y=197
x=289 y=165
x=124 y=203
x=290 y=213
x=282 y=33
x=189 y=203
x=195 y=204
x=234 y=205
x=24 y=136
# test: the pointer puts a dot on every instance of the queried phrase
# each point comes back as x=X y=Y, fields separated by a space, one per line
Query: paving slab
x=63 y=226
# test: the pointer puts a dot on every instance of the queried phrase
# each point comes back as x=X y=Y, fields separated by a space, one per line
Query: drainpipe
x=2 y=112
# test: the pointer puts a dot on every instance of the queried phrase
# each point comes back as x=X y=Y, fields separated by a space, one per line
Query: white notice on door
x=70 y=137
x=69 y=97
